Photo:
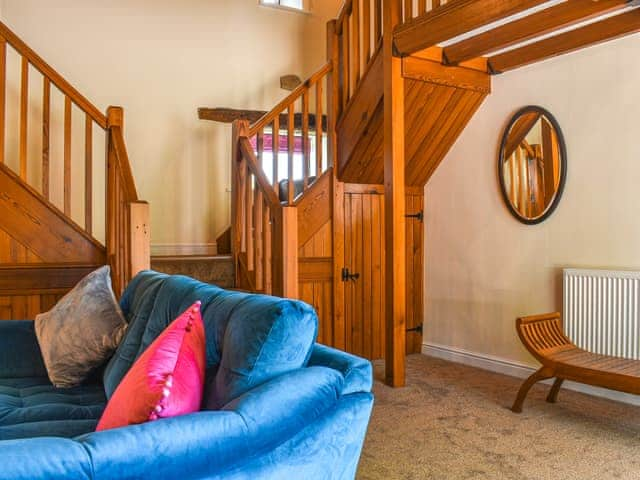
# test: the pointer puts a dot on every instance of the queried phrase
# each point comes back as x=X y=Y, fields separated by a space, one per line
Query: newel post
x=240 y=129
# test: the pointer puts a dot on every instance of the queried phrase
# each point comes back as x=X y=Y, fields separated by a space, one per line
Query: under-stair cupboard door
x=363 y=272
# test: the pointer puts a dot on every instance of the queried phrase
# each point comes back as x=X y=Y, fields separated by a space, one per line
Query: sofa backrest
x=250 y=338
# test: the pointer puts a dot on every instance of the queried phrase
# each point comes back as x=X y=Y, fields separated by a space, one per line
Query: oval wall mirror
x=533 y=164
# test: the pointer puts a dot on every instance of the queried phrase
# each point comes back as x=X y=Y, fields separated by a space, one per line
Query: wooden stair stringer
x=41 y=228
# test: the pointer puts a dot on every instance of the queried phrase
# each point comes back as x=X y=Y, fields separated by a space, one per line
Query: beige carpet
x=453 y=422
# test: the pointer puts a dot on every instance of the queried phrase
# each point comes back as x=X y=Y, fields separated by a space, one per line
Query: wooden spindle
x=291 y=150
x=46 y=141
x=260 y=147
x=356 y=42
x=258 y=242
x=249 y=220
x=422 y=6
x=275 y=147
x=242 y=206
x=408 y=10
x=88 y=175
x=267 y=235
x=24 y=112
x=366 y=30
x=377 y=25
x=3 y=94
x=346 y=66
x=67 y=156
x=435 y=4
x=306 y=151
x=319 y=130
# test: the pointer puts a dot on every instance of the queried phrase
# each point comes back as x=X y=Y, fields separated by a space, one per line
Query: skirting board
x=177 y=249
x=516 y=369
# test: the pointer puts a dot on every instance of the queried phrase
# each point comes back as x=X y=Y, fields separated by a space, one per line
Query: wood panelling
x=12 y=251
x=314 y=207
x=34 y=222
x=29 y=289
x=320 y=244
x=316 y=288
x=26 y=307
x=439 y=102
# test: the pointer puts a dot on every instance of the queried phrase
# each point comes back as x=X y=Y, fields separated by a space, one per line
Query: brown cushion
x=82 y=331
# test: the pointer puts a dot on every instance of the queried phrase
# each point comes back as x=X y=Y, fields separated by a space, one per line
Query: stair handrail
x=8 y=36
x=127 y=217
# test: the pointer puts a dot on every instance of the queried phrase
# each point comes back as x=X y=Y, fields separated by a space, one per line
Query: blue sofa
x=277 y=405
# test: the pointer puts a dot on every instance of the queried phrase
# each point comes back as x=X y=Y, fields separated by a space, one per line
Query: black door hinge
x=417 y=329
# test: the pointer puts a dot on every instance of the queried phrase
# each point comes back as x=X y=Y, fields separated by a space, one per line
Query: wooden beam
x=230 y=115
x=427 y=71
x=540 y=23
x=593 y=34
x=453 y=19
x=394 y=185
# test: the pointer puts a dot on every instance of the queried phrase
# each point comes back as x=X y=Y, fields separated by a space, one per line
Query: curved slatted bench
x=561 y=359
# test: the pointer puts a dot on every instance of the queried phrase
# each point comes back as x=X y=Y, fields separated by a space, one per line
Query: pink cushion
x=167 y=380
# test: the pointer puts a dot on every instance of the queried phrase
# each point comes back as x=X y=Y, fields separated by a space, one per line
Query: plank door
x=363 y=275
x=364 y=270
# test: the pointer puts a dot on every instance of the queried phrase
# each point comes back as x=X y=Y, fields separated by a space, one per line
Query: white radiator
x=602 y=311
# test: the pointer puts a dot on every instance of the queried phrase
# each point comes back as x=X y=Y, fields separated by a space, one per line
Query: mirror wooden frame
x=563 y=164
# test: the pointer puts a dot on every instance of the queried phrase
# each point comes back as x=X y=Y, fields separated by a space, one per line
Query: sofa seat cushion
x=33 y=407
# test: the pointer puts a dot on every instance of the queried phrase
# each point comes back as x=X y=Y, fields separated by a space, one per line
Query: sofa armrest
x=357 y=372
x=209 y=443
x=20 y=355
x=50 y=458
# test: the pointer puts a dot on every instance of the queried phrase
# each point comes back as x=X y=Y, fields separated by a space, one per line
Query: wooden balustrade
x=126 y=218
x=358 y=36
x=299 y=120
x=264 y=230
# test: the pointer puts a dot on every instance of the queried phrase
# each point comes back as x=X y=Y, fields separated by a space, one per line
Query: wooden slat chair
x=543 y=336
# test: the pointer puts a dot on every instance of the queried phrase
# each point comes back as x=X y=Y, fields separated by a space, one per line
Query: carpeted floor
x=453 y=422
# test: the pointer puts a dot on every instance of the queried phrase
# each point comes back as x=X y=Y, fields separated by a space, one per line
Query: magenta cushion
x=167 y=380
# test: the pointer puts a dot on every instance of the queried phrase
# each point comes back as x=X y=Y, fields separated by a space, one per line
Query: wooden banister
x=54 y=77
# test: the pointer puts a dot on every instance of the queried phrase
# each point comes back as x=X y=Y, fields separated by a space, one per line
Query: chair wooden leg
x=541 y=374
x=553 y=393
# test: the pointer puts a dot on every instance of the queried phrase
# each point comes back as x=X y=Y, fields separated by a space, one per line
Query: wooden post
x=333 y=92
x=139 y=238
x=285 y=252
x=290 y=252
x=239 y=129
x=394 y=187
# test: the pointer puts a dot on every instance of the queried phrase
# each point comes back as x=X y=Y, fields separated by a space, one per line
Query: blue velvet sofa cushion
x=250 y=338
x=32 y=407
x=29 y=405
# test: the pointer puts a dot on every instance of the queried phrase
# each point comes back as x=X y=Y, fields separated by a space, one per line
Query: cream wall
x=161 y=60
x=483 y=268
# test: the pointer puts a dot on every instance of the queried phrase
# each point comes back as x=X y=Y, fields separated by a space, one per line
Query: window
x=292 y=4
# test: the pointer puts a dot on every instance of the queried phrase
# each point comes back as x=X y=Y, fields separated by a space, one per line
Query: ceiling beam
x=455 y=18
x=537 y=24
x=593 y=34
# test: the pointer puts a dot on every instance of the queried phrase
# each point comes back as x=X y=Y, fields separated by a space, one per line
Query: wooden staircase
x=49 y=230
x=403 y=79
